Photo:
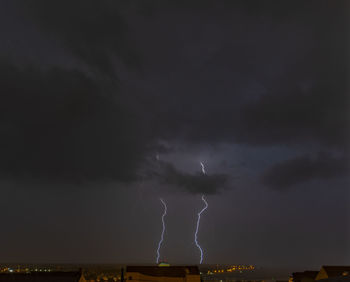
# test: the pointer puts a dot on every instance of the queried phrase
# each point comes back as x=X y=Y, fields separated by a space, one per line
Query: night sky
x=106 y=106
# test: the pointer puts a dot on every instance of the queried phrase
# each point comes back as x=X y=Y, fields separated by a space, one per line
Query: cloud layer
x=193 y=183
x=60 y=124
x=274 y=83
x=305 y=168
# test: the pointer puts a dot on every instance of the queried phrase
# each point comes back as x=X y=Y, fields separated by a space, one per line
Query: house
x=306 y=276
x=333 y=271
x=43 y=277
x=162 y=273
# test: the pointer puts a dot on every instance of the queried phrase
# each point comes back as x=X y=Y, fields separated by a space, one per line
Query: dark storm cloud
x=197 y=183
x=274 y=81
x=309 y=102
x=305 y=168
x=293 y=116
x=291 y=89
x=60 y=124
x=286 y=115
x=243 y=74
x=92 y=30
x=101 y=86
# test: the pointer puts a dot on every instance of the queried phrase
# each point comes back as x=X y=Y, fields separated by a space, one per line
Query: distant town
x=167 y=272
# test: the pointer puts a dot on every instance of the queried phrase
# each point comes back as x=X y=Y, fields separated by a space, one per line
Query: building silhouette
x=327 y=272
x=162 y=273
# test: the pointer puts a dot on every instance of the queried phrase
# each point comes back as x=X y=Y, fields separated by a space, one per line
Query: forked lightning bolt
x=196 y=233
x=163 y=230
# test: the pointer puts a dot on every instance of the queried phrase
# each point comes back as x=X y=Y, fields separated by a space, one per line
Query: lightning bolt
x=203 y=168
x=196 y=233
x=163 y=230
